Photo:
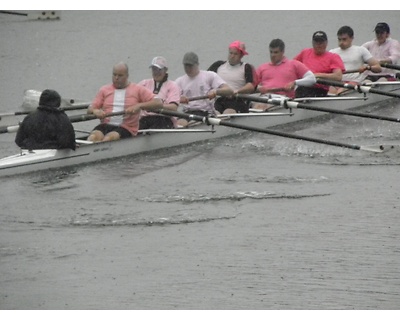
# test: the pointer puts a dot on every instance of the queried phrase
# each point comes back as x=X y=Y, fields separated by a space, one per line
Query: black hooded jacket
x=47 y=127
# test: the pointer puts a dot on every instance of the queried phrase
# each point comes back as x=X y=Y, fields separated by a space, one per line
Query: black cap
x=50 y=98
x=319 y=36
x=382 y=27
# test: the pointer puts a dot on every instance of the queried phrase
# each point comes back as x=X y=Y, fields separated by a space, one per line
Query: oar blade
x=36 y=15
x=31 y=102
x=45 y=15
x=31 y=99
x=378 y=148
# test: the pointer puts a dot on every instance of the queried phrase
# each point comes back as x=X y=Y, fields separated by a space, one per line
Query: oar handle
x=198 y=98
x=77 y=106
x=183 y=115
x=352 y=71
x=87 y=117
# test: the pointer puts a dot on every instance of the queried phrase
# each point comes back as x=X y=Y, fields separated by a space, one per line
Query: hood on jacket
x=50 y=98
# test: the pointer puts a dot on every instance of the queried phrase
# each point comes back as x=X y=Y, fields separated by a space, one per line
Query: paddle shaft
x=358 y=88
x=352 y=71
x=198 y=98
x=87 y=117
x=299 y=105
x=40 y=15
x=227 y=123
x=390 y=66
x=75 y=106
x=76 y=118
x=14 y=13
x=383 y=64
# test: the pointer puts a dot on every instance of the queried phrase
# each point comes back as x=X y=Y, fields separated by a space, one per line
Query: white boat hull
x=29 y=161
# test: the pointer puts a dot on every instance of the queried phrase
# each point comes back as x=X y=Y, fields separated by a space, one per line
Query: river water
x=251 y=222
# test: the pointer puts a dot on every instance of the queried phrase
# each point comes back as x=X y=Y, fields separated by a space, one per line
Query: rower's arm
x=336 y=75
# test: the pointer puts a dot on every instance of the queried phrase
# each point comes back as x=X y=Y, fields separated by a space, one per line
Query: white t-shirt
x=233 y=75
x=197 y=86
x=353 y=58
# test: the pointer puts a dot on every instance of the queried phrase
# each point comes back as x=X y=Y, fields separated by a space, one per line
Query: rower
x=322 y=63
x=281 y=76
x=356 y=59
x=385 y=50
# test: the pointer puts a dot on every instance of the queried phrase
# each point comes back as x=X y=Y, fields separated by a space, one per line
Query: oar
x=352 y=71
x=390 y=66
x=358 y=88
x=227 y=123
x=76 y=118
x=198 y=98
x=42 y=15
x=87 y=117
x=9 y=129
x=74 y=106
x=299 y=105
x=32 y=97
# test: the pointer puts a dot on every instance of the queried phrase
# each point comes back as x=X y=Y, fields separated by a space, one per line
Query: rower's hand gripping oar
x=227 y=123
x=359 y=88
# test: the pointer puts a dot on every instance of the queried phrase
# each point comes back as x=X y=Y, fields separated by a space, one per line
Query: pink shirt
x=199 y=85
x=276 y=76
x=169 y=93
x=110 y=99
x=390 y=49
x=324 y=63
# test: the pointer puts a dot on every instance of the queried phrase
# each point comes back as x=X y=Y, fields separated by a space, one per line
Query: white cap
x=159 y=62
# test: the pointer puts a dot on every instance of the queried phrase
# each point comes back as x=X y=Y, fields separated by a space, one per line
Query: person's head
x=276 y=50
x=382 y=32
x=345 y=36
x=237 y=50
x=319 y=42
x=159 y=68
x=50 y=98
x=191 y=64
x=120 y=75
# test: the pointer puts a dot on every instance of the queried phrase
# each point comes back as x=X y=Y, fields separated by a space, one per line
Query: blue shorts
x=106 y=128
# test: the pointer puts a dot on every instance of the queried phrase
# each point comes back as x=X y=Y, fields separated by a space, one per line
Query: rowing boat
x=149 y=140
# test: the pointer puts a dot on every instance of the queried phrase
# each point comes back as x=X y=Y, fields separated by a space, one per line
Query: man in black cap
x=324 y=64
x=385 y=50
x=48 y=127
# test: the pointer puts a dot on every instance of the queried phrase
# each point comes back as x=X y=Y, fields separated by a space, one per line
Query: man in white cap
x=164 y=89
